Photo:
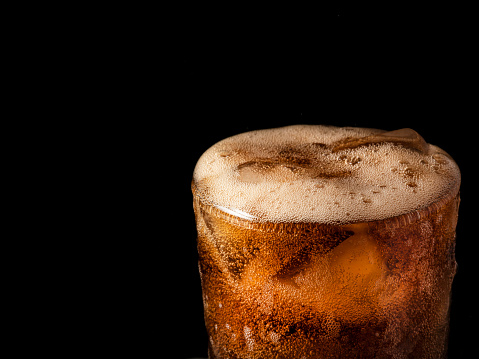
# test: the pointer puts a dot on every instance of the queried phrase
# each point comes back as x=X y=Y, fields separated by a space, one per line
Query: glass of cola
x=326 y=242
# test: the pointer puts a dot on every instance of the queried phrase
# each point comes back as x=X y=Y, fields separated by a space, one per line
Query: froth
x=324 y=174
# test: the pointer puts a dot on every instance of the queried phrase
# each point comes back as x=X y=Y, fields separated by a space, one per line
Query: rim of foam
x=444 y=178
x=387 y=223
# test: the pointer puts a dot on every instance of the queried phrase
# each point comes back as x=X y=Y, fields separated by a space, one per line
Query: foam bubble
x=326 y=174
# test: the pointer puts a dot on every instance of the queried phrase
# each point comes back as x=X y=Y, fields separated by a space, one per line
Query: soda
x=326 y=242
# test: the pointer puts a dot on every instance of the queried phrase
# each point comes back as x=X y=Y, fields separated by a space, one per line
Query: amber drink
x=326 y=242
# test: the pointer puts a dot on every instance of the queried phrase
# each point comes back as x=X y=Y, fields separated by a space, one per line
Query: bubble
x=409 y=172
x=351 y=160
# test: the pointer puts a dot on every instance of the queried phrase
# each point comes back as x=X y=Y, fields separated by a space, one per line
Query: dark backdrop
x=385 y=68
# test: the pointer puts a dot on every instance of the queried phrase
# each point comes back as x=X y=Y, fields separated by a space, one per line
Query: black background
x=234 y=70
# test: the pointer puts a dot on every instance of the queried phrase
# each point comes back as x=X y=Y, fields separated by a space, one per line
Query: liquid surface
x=324 y=174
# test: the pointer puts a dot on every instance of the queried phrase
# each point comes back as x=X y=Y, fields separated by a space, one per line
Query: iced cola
x=326 y=242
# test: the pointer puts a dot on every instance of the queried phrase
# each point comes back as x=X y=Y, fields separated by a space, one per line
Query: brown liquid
x=377 y=289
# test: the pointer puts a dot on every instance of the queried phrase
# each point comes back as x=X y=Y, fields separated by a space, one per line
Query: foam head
x=324 y=174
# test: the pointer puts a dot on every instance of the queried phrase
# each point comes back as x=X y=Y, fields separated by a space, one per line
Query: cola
x=326 y=242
